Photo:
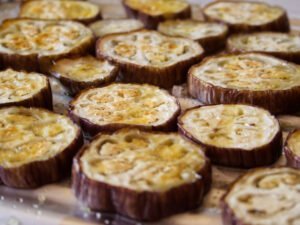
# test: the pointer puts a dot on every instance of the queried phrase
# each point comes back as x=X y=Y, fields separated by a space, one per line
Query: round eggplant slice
x=151 y=13
x=150 y=57
x=124 y=105
x=263 y=196
x=80 y=11
x=83 y=72
x=282 y=45
x=248 y=78
x=149 y=174
x=247 y=16
x=292 y=149
x=36 y=146
x=24 y=89
x=33 y=45
x=211 y=36
x=105 y=27
x=234 y=135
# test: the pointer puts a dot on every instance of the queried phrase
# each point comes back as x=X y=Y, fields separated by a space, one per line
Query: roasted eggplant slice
x=105 y=27
x=142 y=175
x=211 y=36
x=263 y=196
x=36 y=146
x=24 y=89
x=282 y=45
x=124 y=105
x=32 y=45
x=80 y=11
x=292 y=149
x=247 y=16
x=249 y=78
x=234 y=135
x=150 y=57
x=83 y=72
x=151 y=13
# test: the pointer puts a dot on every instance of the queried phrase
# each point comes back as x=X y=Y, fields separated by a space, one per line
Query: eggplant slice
x=83 y=72
x=211 y=36
x=263 y=196
x=151 y=13
x=24 y=89
x=249 y=78
x=282 y=45
x=124 y=105
x=142 y=175
x=292 y=149
x=36 y=146
x=33 y=45
x=80 y=11
x=115 y=26
x=150 y=57
x=247 y=16
x=234 y=135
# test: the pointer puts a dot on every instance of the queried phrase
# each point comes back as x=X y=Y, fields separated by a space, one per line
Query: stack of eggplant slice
x=147 y=156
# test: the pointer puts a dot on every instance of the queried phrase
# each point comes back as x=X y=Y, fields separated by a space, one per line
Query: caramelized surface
x=142 y=160
x=31 y=134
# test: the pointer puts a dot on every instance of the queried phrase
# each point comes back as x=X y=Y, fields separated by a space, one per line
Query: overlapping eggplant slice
x=282 y=45
x=83 y=72
x=292 y=149
x=124 y=105
x=36 y=146
x=247 y=16
x=263 y=196
x=234 y=135
x=140 y=174
x=211 y=36
x=150 y=57
x=249 y=78
x=114 y=26
x=24 y=89
x=151 y=13
x=32 y=45
x=80 y=11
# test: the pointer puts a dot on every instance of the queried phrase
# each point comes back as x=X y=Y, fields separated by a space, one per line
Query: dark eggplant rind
x=140 y=205
x=281 y=24
x=152 y=21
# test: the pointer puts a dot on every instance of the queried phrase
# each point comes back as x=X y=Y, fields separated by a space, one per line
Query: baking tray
x=55 y=204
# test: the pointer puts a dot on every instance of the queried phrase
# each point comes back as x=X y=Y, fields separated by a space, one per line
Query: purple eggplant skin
x=138 y=205
x=281 y=24
x=151 y=22
x=275 y=101
x=292 y=159
x=38 y=173
x=236 y=157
